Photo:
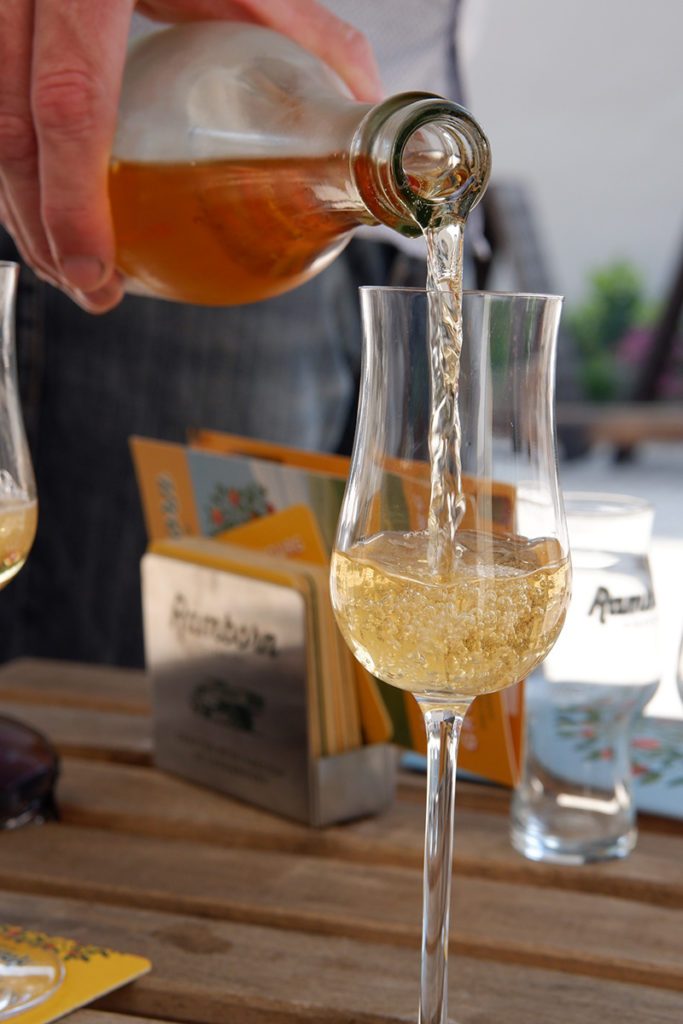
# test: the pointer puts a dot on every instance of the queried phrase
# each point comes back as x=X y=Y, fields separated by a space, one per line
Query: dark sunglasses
x=29 y=767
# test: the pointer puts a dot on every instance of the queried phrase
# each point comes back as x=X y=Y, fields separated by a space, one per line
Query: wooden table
x=249 y=919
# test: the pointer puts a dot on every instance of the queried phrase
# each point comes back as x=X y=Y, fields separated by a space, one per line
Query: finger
x=15 y=230
x=78 y=55
x=339 y=44
x=19 y=185
x=100 y=301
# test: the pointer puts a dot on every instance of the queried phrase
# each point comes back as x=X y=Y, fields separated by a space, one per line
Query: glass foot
x=28 y=976
x=555 y=847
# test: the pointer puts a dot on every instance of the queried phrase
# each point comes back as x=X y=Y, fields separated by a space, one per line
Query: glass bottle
x=241 y=165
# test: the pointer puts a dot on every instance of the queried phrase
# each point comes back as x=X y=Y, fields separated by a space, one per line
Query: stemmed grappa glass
x=28 y=974
x=450 y=575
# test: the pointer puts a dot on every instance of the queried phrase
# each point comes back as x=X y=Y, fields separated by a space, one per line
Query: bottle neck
x=419 y=161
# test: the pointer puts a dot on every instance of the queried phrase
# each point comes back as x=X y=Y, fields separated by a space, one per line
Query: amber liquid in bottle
x=231 y=231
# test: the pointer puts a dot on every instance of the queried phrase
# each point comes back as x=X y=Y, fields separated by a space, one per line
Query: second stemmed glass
x=450 y=575
x=28 y=974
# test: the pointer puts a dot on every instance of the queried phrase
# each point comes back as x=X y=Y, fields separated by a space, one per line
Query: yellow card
x=89 y=971
x=291 y=533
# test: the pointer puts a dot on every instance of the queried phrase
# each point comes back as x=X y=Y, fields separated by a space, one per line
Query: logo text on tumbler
x=604 y=604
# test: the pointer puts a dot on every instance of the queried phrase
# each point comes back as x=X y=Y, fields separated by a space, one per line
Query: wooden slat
x=100 y=687
x=71 y=684
x=575 y=932
x=212 y=972
x=90 y=1016
x=110 y=735
x=484 y=796
x=103 y=688
x=100 y=795
x=87 y=733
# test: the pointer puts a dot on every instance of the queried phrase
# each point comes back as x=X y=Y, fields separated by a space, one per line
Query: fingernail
x=83 y=272
x=101 y=300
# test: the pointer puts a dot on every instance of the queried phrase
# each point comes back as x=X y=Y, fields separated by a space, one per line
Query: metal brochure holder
x=235 y=661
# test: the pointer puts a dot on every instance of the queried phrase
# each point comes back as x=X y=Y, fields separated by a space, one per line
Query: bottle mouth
x=445 y=162
x=432 y=158
x=433 y=167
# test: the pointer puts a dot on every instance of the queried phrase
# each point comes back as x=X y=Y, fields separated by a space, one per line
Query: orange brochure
x=166 y=488
x=233 y=444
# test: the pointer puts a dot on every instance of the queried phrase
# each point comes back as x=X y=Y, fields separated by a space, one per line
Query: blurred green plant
x=615 y=305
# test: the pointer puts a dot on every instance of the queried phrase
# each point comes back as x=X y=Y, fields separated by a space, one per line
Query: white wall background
x=583 y=101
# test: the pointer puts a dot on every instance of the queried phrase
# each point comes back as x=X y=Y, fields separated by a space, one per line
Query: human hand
x=60 y=78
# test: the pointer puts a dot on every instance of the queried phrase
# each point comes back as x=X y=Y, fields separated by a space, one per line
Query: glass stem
x=443 y=731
